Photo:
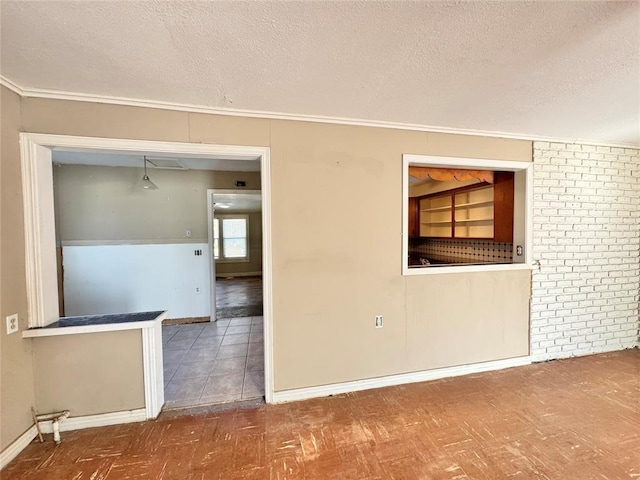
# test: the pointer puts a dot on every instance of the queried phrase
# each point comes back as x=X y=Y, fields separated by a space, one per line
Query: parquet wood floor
x=571 y=419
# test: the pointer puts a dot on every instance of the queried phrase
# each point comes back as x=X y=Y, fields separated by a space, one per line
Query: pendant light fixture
x=146 y=182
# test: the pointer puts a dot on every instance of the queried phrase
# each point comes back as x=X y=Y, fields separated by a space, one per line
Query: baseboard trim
x=68 y=424
x=547 y=357
x=392 y=380
x=13 y=450
x=100 y=420
x=241 y=274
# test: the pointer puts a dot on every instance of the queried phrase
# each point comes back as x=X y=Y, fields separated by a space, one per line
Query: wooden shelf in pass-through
x=470 y=220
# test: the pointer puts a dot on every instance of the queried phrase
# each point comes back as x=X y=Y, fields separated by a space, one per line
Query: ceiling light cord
x=146 y=182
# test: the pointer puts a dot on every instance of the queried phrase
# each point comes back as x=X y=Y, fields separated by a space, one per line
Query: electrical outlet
x=378 y=321
x=12 y=324
x=198 y=291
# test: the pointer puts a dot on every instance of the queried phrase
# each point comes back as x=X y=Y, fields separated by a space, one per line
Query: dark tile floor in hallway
x=213 y=362
x=573 y=419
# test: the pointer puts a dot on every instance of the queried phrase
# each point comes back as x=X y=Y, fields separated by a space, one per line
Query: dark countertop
x=414 y=262
x=104 y=319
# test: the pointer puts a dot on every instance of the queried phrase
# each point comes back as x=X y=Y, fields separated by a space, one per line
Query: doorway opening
x=46 y=247
x=235 y=247
x=225 y=363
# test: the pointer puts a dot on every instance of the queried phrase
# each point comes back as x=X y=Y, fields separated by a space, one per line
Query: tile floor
x=213 y=362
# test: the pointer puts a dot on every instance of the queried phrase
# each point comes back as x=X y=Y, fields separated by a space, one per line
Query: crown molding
x=11 y=86
x=190 y=108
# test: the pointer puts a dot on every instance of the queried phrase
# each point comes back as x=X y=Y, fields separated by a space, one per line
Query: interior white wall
x=135 y=278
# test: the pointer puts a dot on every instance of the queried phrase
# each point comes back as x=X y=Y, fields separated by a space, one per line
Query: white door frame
x=37 y=177
x=212 y=261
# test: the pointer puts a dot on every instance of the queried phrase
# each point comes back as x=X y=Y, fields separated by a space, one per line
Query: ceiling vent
x=166 y=163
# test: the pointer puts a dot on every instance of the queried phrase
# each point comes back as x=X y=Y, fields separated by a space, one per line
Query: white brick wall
x=586 y=215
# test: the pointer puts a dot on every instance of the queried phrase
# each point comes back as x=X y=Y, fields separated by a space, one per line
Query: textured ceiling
x=236 y=202
x=552 y=69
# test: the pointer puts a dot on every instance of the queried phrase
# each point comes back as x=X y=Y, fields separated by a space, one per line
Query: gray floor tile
x=221 y=398
x=235 y=339
x=233 y=330
x=242 y=321
x=192 y=335
x=194 y=369
x=170 y=329
x=166 y=336
x=173 y=357
x=253 y=384
x=168 y=372
x=252 y=392
x=255 y=363
x=213 y=331
x=256 y=349
x=256 y=337
x=229 y=366
x=207 y=363
x=179 y=344
x=205 y=342
x=198 y=354
x=193 y=327
x=189 y=402
x=230 y=351
x=223 y=385
x=186 y=388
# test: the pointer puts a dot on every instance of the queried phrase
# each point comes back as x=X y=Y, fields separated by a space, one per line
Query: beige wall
x=16 y=372
x=102 y=203
x=336 y=207
x=328 y=288
x=255 y=250
x=87 y=374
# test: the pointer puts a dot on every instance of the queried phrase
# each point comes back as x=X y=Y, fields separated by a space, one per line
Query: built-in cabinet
x=414 y=220
x=483 y=211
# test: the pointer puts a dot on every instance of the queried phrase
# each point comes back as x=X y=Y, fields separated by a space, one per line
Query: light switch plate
x=12 y=324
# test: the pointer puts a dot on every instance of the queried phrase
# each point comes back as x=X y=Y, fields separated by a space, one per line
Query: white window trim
x=223 y=259
x=472 y=163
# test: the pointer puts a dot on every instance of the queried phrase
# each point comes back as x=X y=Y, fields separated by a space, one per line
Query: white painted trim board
x=68 y=424
x=152 y=365
x=465 y=162
x=393 y=380
x=36 y=150
x=13 y=450
x=11 y=85
x=240 y=274
x=99 y=420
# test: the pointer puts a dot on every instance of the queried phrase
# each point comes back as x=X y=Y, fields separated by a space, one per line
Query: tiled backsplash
x=477 y=250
